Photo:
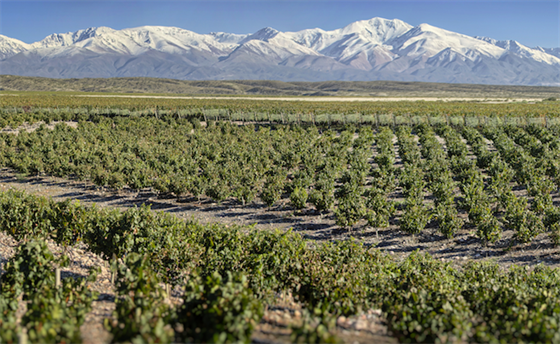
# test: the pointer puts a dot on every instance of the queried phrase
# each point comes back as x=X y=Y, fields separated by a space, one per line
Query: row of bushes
x=423 y=299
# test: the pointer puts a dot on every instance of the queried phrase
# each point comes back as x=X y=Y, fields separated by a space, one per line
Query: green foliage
x=30 y=269
x=351 y=204
x=273 y=188
x=489 y=229
x=448 y=221
x=232 y=271
x=218 y=310
x=419 y=309
x=379 y=208
x=525 y=224
x=552 y=224
x=53 y=315
x=349 y=212
x=298 y=198
x=505 y=302
x=9 y=330
x=414 y=219
x=23 y=216
x=141 y=314
x=322 y=196
x=316 y=327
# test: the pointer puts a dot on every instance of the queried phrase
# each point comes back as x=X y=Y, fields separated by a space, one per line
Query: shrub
x=218 y=310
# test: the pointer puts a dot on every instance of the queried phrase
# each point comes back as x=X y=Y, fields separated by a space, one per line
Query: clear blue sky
x=530 y=22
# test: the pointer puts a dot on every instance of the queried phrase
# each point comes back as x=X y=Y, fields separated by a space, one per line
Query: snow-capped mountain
x=10 y=47
x=536 y=54
x=364 y=50
x=550 y=51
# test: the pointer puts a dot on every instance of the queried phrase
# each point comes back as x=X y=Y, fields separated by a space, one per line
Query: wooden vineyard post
x=22 y=336
x=57 y=278
x=546 y=121
x=447 y=118
x=394 y=121
x=377 y=121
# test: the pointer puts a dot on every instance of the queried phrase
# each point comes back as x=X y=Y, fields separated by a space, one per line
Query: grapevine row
x=234 y=272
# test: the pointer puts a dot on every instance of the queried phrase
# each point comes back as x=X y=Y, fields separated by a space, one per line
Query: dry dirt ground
x=364 y=328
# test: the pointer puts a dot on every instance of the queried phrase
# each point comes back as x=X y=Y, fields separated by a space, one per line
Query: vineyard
x=444 y=171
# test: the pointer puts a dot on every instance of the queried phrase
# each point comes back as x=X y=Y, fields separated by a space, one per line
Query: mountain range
x=375 y=49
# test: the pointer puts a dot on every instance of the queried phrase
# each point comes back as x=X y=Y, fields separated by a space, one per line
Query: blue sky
x=530 y=22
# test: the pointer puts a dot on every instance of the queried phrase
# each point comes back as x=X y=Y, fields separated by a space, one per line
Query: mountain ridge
x=366 y=50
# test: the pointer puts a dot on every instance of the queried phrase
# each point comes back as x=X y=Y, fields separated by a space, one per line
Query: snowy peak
x=426 y=39
x=10 y=47
x=513 y=46
x=377 y=30
x=224 y=37
x=550 y=51
x=70 y=38
x=139 y=40
x=348 y=40
x=264 y=35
